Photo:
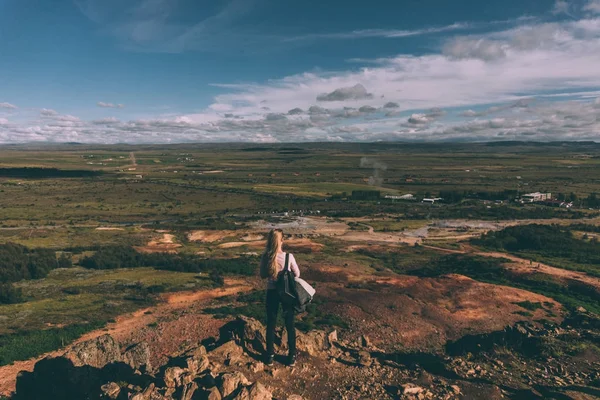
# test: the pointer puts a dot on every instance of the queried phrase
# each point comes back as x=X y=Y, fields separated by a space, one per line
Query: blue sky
x=166 y=71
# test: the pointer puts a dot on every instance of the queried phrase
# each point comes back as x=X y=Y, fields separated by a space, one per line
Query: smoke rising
x=378 y=169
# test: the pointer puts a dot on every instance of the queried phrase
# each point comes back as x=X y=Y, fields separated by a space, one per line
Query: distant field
x=192 y=182
x=77 y=295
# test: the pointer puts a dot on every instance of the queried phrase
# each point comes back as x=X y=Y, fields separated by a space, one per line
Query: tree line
x=32 y=172
x=113 y=257
x=545 y=240
x=17 y=262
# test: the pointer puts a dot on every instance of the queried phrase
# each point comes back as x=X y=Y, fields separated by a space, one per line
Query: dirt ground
x=164 y=244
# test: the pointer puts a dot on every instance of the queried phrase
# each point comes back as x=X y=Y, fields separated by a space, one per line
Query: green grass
x=25 y=345
x=80 y=296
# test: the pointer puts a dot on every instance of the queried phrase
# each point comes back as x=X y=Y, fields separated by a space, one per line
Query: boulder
x=230 y=382
x=242 y=394
x=252 y=333
x=138 y=356
x=364 y=359
x=365 y=341
x=197 y=365
x=229 y=352
x=96 y=352
x=214 y=394
x=313 y=342
x=110 y=391
x=172 y=377
x=144 y=395
x=258 y=392
x=188 y=391
x=409 y=388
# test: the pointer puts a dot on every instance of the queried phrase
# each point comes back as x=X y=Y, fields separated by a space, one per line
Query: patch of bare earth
x=210 y=236
x=164 y=244
x=424 y=313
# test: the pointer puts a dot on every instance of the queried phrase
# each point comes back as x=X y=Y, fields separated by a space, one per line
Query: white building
x=536 y=197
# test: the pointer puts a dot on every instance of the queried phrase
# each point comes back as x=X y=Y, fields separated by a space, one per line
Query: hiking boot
x=292 y=360
x=269 y=360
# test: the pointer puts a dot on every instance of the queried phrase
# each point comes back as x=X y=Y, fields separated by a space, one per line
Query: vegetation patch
x=25 y=345
x=552 y=243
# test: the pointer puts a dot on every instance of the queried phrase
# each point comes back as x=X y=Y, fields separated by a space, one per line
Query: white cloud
x=418 y=119
x=592 y=7
x=109 y=105
x=46 y=112
x=105 y=121
x=3 y=121
x=463 y=48
x=561 y=7
x=356 y=92
x=8 y=106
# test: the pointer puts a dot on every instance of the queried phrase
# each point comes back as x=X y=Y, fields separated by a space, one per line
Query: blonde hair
x=268 y=265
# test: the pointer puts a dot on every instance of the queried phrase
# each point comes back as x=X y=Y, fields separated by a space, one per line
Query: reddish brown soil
x=424 y=313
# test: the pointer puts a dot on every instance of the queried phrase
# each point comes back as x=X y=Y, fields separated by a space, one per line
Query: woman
x=271 y=264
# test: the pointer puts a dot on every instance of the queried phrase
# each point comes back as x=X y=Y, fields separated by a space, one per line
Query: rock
x=145 y=395
x=243 y=394
x=230 y=382
x=295 y=397
x=172 y=377
x=409 y=388
x=258 y=392
x=425 y=379
x=111 y=390
x=364 y=358
x=214 y=394
x=455 y=389
x=96 y=352
x=230 y=352
x=313 y=342
x=138 y=356
x=257 y=367
x=188 y=391
x=197 y=365
x=196 y=352
x=252 y=333
x=365 y=341
x=332 y=337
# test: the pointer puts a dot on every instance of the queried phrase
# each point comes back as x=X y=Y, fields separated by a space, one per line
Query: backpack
x=286 y=285
x=293 y=292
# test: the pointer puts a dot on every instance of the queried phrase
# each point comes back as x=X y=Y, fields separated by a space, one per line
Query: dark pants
x=273 y=303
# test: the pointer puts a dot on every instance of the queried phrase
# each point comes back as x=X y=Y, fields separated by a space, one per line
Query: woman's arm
x=294 y=266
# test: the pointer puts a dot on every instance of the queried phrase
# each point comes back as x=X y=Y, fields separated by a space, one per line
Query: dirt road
x=128 y=323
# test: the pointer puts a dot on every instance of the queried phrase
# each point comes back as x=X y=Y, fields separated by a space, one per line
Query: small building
x=536 y=197
x=432 y=201
x=403 y=197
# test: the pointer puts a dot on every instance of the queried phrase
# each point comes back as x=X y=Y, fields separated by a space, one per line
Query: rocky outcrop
x=95 y=353
x=251 y=335
x=98 y=369
x=138 y=357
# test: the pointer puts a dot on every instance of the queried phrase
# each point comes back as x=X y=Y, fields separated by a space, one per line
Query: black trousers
x=273 y=303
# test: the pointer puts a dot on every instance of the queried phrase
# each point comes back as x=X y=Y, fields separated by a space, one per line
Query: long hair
x=268 y=265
